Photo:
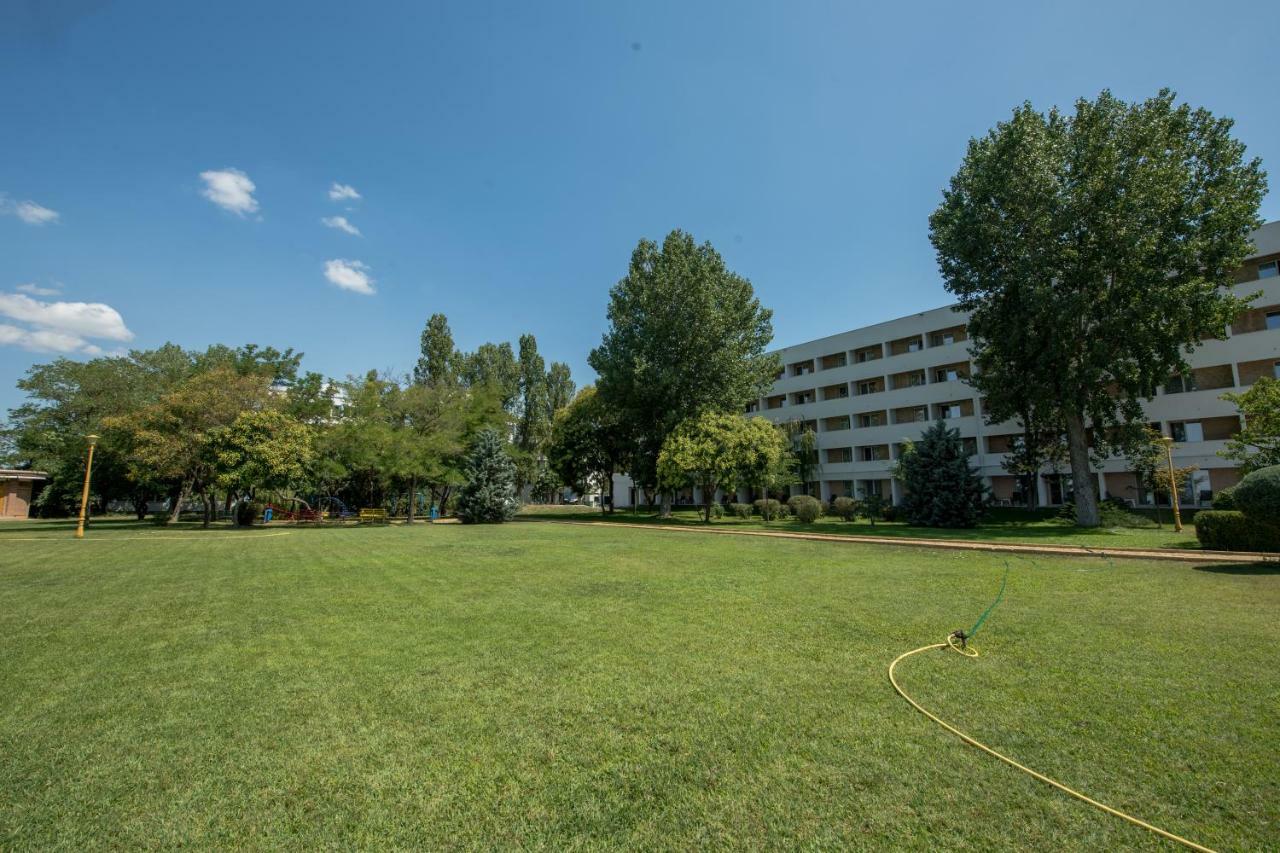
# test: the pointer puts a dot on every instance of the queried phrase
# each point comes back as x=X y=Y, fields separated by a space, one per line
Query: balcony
x=952 y=410
x=833 y=361
x=801 y=398
x=866 y=420
x=1252 y=371
x=911 y=415
x=835 y=424
x=948 y=336
x=800 y=368
x=1258 y=319
x=902 y=346
x=869 y=353
x=907 y=379
x=1201 y=379
x=835 y=392
x=956 y=372
x=868 y=386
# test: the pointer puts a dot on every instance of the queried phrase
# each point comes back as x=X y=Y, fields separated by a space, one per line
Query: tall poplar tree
x=1094 y=251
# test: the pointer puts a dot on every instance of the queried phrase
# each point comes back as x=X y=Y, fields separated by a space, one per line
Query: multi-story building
x=868 y=391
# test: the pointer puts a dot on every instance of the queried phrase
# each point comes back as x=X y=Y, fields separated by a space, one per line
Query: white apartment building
x=867 y=391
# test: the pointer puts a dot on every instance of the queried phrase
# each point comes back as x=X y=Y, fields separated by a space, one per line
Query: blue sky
x=509 y=156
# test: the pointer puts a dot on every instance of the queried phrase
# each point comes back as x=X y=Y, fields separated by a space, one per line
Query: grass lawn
x=561 y=687
x=999 y=526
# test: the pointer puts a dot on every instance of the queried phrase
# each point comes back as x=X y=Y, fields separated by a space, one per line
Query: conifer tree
x=943 y=489
x=489 y=496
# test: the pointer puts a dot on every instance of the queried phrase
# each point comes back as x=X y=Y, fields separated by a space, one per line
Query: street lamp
x=1173 y=483
x=84 y=495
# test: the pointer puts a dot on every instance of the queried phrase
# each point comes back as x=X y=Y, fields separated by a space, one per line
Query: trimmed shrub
x=1225 y=498
x=776 y=510
x=1232 y=530
x=1258 y=494
x=741 y=510
x=846 y=509
x=807 y=509
x=890 y=512
x=717 y=511
x=249 y=513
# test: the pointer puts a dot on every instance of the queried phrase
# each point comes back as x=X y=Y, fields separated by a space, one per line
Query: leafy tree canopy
x=1094 y=250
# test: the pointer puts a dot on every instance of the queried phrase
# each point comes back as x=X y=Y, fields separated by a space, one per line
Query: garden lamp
x=84 y=495
x=1173 y=483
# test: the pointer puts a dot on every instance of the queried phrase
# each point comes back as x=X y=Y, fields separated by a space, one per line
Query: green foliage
x=805 y=508
x=1258 y=494
x=438 y=361
x=943 y=490
x=264 y=448
x=741 y=510
x=686 y=336
x=489 y=496
x=249 y=513
x=1232 y=530
x=873 y=508
x=1257 y=445
x=1093 y=250
x=717 y=510
x=493 y=366
x=769 y=509
x=717 y=449
x=1225 y=498
x=845 y=508
x=588 y=443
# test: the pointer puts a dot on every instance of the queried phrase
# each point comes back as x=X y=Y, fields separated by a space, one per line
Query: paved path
x=952 y=544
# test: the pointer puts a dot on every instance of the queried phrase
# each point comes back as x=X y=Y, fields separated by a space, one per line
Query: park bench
x=373 y=516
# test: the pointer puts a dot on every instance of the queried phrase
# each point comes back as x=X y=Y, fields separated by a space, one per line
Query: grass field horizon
x=558 y=686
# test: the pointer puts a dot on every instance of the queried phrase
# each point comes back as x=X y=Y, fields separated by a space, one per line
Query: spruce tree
x=489 y=496
x=943 y=490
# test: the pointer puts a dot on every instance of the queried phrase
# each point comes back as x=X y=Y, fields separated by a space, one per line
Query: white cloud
x=230 y=189
x=28 y=211
x=59 y=326
x=339 y=192
x=342 y=224
x=350 y=275
x=36 y=290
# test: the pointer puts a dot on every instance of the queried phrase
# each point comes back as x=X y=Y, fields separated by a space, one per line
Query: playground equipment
x=289 y=509
x=332 y=507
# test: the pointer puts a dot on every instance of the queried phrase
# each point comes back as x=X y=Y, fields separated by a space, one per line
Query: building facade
x=17 y=489
x=868 y=391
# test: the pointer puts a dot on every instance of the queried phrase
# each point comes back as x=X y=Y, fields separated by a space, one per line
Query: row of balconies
x=875 y=352
x=952 y=372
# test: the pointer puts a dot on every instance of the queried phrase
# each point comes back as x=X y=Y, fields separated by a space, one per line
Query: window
x=914 y=346
x=949 y=412
x=1270 y=269
x=1273 y=319
x=943 y=340
x=1275 y=370
x=1179 y=384
x=1187 y=431
x=948 y=375
x=867 y=387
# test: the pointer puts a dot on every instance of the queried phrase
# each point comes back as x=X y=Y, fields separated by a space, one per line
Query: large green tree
x=717 y=450
x=438 y=361
x=942 y=488
x=1257 y=445
x=493 y=365
x=1094 y=250
x=686 y=335
x=588 y=445
x=489 y=494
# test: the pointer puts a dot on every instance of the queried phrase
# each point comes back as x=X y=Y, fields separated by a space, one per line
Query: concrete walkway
x=952 y=544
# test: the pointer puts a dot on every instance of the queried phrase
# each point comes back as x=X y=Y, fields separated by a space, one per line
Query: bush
x=846 y=509
x=807 y=509
x=1258 y=494
x=249 y=512
x=890 y=513
x=741 y=510
x=1232 y=530
x=717 y=511
x=775 y=509
x=1225 y=498
x=873 y=507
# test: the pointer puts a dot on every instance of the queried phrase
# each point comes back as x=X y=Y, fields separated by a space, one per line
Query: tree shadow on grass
x=1262 y=567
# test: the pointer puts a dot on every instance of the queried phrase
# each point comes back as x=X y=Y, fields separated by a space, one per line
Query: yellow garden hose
x=1007 y=760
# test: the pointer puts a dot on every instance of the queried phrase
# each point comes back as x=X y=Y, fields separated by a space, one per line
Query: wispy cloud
x=342 y=224
x=59 y=326
x=36 y=290
x=349 y=275
x=28 y=211
x=342 y=192
x=230 y=189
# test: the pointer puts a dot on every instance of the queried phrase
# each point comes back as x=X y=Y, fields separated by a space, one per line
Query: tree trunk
x=609 y=509
x=413 y=497
x=708 y=494
x=208 y=509
x=1082 y=478
x=664 y=511
x=178 y=500
x=140 y=506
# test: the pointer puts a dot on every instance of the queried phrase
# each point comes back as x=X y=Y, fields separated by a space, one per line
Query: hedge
x=1258 y=494
x=1232 y=530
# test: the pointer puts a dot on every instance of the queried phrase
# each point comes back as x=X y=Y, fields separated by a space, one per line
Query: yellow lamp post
x=84 y=495
x=1173 y=483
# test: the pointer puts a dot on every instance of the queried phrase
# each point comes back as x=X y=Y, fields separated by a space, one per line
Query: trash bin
x=435 y=512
